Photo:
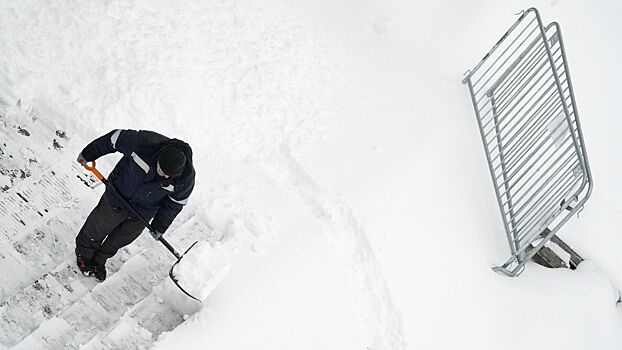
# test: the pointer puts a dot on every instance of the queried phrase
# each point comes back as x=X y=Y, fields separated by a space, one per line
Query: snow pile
x=237 y=224
x=201 y=269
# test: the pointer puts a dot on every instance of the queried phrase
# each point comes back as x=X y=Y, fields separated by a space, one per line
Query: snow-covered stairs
x=30 y=202
x=48 y=296
x=34 y=227
x=139 y=326
x=45 y=302
x=35 y=188
x=121 y=309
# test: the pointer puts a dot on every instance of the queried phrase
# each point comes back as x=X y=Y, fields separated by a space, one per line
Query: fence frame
x=533 y=209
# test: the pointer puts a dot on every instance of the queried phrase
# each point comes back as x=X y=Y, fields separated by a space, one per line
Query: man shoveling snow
x=155 y=176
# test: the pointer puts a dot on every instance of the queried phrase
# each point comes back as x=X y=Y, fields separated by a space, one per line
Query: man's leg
x=121 y=236
x=101 y=222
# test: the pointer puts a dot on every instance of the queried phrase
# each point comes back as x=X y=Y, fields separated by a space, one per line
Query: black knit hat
x=172 y=161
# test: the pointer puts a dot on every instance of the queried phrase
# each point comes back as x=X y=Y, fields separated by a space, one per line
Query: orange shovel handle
x=95 y=172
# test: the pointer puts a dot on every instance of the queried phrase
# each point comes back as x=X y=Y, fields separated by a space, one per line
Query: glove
x=156 y=234
x=81 y=160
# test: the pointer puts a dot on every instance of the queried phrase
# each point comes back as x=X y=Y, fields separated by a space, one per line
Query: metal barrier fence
x=529 y=125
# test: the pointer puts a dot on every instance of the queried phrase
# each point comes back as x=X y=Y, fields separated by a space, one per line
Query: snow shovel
x=129 y=207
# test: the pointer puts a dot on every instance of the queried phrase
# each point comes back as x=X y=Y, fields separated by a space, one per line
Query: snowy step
x=28 y=203
x=113 y=299
x=48 y=296
x=35 y=254
x=53 y=325
x=21 y=315
x=125 y=334
x=105 y=303
x=139 y=327
x=155 y=316
x=37 y=221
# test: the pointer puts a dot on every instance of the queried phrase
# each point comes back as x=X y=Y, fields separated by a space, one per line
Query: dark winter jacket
x=135 y=176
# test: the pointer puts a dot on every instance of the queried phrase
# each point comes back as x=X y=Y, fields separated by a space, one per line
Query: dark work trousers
x=105 y=231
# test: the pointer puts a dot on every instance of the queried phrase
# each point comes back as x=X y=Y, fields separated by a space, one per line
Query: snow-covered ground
x=339 y=163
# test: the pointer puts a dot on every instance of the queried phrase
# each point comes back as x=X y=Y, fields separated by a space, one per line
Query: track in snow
x=351 y=244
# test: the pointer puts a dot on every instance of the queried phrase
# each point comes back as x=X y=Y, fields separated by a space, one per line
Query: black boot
x=99 y=272
x=85 y=265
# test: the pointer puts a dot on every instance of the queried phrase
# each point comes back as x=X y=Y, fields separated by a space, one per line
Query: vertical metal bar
x=502 y=159
x=583 y=154
x=558 y=82
x=479 y=123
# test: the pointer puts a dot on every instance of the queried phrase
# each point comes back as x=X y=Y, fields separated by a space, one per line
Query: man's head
x=171 y=162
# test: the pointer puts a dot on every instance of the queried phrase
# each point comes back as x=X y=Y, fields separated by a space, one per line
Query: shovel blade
x=175 y=279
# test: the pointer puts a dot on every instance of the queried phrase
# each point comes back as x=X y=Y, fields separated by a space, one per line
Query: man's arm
x=124 y=141
x=170 y=208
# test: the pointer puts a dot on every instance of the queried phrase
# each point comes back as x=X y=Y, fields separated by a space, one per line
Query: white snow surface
x=339 y=166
